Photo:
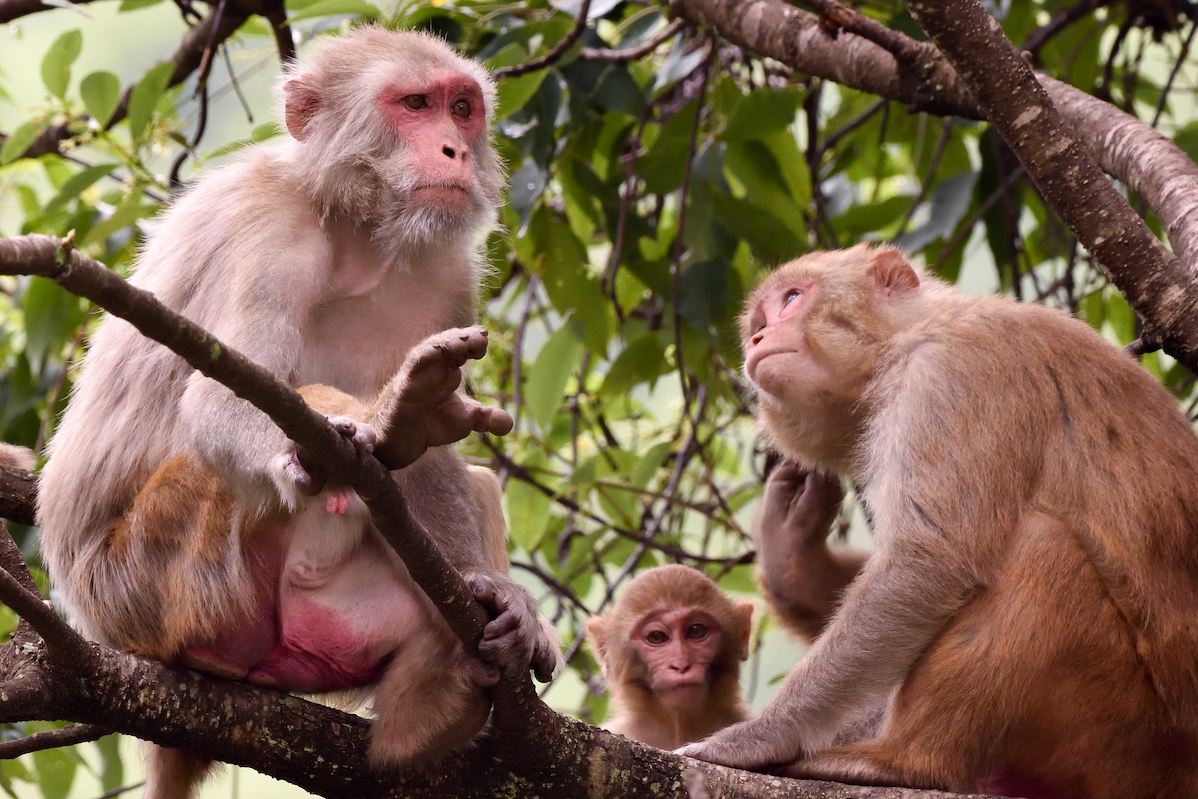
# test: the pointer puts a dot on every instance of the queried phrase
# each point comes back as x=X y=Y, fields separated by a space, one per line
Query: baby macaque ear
x=893 y=275
x=596 y=628
x=302 y=98
x=744 y=612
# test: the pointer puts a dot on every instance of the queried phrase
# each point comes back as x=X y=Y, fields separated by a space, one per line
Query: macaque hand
x=799 y=506
x=294 y=478
x=515 y=638
x=754 y=745
x=427 y=411
x=362 y=435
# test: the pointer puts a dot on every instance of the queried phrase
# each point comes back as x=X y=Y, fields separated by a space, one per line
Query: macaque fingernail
x=483 y=332
x=465 y=337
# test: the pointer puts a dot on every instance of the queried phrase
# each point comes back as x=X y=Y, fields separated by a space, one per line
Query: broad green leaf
x=328 y=8
x=145 y=98
x=649 y=463
x=546 y=385
x=101 y=92
x=642 y=361
x=135 y=5
x=19 y=141
x=49 y=309
x=739 y=579
x=762 y=112
x=527 y=512
x=55 y=773
x=78 y=184
x=112 y=770
x=56 y=65
x=513 y=93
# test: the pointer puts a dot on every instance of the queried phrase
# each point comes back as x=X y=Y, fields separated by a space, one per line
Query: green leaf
x=55 y=773
x=19 y=141
x=649 y=463
x=145 y=98
x=101 y=92
x=112 y=770
x=56 y=65
x=49 y=309
x=762 y=112
x=527 y=512
x=327 y=8
x=546 y=385
x=513 y=93
x=77 y=185
x=135 y=5
x=642 y=361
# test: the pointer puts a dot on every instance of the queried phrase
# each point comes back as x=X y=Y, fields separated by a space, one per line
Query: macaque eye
x=696 y=632
x=461 y=108
x=656 y=638
x=790 y=296
x=415 y=101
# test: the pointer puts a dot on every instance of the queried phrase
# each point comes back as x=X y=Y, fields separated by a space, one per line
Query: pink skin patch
x=438 y=121
x=337 y=502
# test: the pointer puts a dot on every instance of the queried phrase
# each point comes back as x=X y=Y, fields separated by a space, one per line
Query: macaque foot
x=515 y=639
x=361 y=434
x=425 y=410
x=755 y=745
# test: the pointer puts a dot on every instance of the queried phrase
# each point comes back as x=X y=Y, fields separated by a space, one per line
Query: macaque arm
x=263 y=321
x=803 y=578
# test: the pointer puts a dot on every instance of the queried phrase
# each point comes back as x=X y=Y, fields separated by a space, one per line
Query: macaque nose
x=757 y=337
x=449 y=151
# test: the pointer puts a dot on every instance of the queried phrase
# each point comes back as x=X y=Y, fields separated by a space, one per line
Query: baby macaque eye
x=656 y=638
x=790 y=296
x=415 y=101
x=461 y=108
x=696 y=631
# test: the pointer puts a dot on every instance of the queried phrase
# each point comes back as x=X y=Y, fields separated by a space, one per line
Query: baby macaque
x=1028 y=625
x=670 y=649
x=328 y=260
x=802 y=577
x=17 y=457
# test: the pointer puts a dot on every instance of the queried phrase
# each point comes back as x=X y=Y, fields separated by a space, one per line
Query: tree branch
x=553 y=55
x=52 y=739
x=18 y=494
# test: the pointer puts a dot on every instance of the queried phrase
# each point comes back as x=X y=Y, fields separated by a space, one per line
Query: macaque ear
x=744 y=611
x=595 y=630
x=302 y=98
x=892 y=273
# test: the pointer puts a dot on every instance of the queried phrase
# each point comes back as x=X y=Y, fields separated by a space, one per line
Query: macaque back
x=1030 y=616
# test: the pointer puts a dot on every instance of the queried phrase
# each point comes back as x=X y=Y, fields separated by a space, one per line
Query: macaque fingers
x=514 y=639
x=755 y=745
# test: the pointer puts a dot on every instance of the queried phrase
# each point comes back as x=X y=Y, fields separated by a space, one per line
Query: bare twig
x=1064 y=18
x=553 y=55
x=51 y=739
x=65 y=648
x=632 y=53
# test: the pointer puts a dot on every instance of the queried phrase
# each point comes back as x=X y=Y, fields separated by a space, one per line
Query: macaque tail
x=173 y=773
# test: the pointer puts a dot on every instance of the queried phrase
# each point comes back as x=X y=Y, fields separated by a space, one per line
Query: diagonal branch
x=553 y=55
x=52 y=739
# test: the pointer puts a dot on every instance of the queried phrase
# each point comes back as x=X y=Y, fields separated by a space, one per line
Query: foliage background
x=646 y=196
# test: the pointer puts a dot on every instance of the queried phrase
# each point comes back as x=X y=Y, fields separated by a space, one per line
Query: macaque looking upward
x=1028 y=623
x=670 y=649
x=338 y=258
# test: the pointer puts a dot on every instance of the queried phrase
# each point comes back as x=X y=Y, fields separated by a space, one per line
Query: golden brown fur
x=639 y=710
x=1034 y=593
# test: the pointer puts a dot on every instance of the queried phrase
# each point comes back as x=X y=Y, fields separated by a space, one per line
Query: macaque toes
x=1028 y=623
x=670 y=650
x=179 y=522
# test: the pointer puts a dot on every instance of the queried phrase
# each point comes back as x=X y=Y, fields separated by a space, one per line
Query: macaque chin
x=179 y=522
x=670 y=650
x=1028 y=623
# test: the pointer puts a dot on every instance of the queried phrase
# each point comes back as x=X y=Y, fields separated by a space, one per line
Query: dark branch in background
x=553 y=55
x=1162 y=289
x=52 y=739
x=1064 y=18
x=12 y=9
x=632 y=53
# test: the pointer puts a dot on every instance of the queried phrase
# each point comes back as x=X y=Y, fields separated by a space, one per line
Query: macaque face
x=678 y=647
x=439 y=121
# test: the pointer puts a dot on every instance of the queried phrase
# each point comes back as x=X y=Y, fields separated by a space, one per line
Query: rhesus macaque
x=328 y=260
x=1029 y=621
x=670 y=650
x=802 y=577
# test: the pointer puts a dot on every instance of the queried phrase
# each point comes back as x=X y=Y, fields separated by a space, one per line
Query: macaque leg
x=431 y=699
x=172 y=773
x=1004 y=700
x=803 y=578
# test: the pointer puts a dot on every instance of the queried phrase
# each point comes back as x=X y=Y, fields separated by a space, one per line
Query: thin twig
x=553 y=55
x=1064 y=18
x=65 y=648
x=51 y=739
x=965 y=229
x=946 y=129
x=1181 y=59
x=632 y=53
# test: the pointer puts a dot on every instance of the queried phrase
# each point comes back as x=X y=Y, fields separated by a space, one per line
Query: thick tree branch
x=18 y=494
x=1162 y=289
x=12 y=9
x=1069 y=179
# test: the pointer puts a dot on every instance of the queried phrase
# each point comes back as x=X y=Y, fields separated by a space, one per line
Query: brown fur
x=637 y=712
x=1034 y=593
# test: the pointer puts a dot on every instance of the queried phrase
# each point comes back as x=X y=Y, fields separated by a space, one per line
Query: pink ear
x=892 y=274
x=302 y=101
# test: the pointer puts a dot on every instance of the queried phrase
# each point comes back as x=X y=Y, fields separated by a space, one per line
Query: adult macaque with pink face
x=180 y=523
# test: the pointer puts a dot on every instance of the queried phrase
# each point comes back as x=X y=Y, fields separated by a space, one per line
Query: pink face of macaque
x=677 y=646
x=776 y=349
x=438 y=119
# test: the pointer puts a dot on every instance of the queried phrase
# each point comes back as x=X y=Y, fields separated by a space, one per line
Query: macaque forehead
x=443 y=93
x=673 y=616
